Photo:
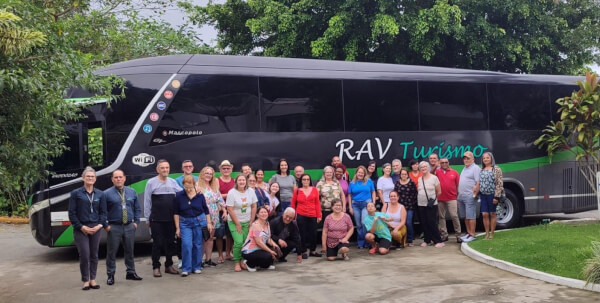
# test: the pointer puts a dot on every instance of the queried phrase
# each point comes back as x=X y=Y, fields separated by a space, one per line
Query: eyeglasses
x=305 y=179
x=188 y=166
x=225 y=168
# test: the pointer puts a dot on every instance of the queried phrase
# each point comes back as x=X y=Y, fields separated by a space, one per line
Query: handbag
x=430 y=201
x=205 y=234
x=502 y=198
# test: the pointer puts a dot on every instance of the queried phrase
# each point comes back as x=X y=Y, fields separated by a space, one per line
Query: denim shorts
x=487 y=203
x=467 y=207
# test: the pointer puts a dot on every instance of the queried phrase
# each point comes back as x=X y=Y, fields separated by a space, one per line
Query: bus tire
x=509 y=213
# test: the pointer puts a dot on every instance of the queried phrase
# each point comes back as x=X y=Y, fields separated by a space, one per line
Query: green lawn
x=554 y=248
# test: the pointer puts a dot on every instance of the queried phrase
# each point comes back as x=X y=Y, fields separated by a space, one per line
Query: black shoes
x=133 y=276
x=315 y=254
x=304 y=256
x=95 y=286
x=110 y=280
x=445 y=239
x=282 y=259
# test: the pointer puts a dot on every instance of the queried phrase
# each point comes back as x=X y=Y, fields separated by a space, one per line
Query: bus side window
x=211 y=104
x=380 y=105
x=447 y=106
x=518 y=106
x=95 y=146
x=290 y=105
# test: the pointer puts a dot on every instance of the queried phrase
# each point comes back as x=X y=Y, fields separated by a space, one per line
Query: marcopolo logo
x=143 y=160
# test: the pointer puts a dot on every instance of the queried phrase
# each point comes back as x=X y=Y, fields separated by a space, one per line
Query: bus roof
x=318 y=69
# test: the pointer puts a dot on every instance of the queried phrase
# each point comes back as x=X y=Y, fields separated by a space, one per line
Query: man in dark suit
x=284 y=231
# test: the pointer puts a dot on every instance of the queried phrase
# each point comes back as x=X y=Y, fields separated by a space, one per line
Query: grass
x=557 y=249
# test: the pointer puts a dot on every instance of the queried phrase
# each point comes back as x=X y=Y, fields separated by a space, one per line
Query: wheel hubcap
x=505 y=211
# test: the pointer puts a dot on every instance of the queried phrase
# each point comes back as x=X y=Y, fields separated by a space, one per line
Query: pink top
x=256 y=231
x=337 y=230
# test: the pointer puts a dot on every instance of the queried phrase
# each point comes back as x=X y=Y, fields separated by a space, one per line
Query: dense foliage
x=542 y=36
x=47 y=47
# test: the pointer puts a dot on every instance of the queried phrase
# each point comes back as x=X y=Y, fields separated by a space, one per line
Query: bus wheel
x=509 y=212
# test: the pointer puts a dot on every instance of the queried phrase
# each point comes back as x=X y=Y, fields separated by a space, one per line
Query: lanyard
x=91 y=201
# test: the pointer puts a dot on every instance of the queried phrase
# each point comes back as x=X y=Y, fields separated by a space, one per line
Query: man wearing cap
x=468 y=187
x=226 y=183
x=449 y=179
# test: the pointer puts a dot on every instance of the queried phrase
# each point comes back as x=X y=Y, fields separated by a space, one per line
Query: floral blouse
x=408 y=194
x=328 y=192
x=213 y=200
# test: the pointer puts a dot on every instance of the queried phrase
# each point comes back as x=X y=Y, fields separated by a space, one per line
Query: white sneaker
x=179 y=264
x=469 y=239
x=184 y=274
x=271 y=267
x=465 y=237
x=197 y=271
x=250 y=269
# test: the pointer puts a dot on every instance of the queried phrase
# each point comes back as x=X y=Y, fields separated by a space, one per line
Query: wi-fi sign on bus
x=143 y=160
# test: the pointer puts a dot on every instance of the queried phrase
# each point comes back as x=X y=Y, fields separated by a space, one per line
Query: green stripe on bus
x=316 y=174
x=66 y=238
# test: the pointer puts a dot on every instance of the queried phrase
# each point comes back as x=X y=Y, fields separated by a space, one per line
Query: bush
x=591 y=271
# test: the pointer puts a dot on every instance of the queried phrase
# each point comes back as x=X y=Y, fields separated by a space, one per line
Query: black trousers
x=308 y=232
x=258 y=258
x=124 y=234
x=87 y=246
x=428 y=217
x=163 y=241
x=286 y=250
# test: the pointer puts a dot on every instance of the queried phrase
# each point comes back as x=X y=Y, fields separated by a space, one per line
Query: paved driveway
x=33 y=273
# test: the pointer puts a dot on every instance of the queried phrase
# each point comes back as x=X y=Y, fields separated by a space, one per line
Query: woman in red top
x=305 y=201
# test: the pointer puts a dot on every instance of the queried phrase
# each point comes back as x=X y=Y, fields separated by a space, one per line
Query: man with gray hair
x=396 y=167
x=285 y=232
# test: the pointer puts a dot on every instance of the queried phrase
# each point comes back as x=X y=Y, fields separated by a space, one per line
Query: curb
x=14 y=220
x=527 y=272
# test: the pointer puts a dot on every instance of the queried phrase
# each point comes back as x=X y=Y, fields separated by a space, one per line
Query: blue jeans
x=409 y=226
x=191 y=242
x=284 y=205
x=360 y=211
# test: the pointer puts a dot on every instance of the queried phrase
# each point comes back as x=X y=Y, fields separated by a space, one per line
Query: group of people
x=255 y=222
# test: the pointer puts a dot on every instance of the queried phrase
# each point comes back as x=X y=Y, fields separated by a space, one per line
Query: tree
x=546 y=36
x=37 y=67
x=47 y=47
x=578 y=129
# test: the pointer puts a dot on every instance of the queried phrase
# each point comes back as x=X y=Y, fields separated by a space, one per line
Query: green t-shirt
x=381 y=230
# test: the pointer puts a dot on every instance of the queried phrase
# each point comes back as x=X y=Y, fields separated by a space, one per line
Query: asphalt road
x=33 y=273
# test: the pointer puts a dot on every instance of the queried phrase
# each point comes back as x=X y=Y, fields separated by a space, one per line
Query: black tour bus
x=257 y=110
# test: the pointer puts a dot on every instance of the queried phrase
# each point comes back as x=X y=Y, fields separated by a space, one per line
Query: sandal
x=424 y=244
x=373 y=250
x=345 y=257
x=237 y=267
x=220 y=261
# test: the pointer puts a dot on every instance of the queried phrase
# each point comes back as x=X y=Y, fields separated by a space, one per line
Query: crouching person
x=256 y=251
x=378 y=233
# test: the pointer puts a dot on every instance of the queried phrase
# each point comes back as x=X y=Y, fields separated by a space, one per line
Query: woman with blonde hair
x=208 y=185
x=330 y=189
x=361 y=191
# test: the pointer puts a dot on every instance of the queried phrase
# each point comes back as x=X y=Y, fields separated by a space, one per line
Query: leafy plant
x=591 y=271
x=578 y=129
